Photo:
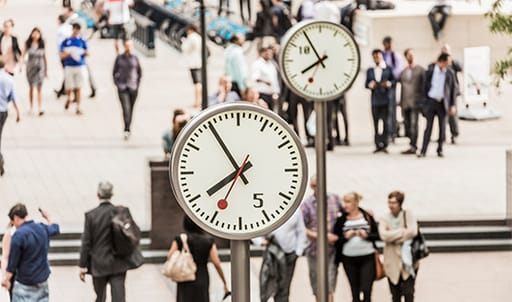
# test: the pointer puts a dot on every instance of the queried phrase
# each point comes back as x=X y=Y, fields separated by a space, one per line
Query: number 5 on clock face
x=238 y=171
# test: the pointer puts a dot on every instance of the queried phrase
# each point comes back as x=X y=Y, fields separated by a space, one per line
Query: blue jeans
x=30 y=293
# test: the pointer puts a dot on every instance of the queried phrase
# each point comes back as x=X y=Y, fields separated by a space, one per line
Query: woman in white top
x=357 y=232
x=191 y=47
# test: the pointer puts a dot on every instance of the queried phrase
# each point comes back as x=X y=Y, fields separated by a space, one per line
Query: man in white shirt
x=118 y=15
x=265 y=77
x=327 y=11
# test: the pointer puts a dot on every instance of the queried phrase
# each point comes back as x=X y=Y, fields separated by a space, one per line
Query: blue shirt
x=6 y=90
x=77 y=47
x=28 y=257
x=437 y=85
x=236 y=67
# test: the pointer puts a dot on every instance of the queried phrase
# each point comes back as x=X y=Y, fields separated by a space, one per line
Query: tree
x=501 y=24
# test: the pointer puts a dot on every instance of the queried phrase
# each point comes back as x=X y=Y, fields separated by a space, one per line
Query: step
x=71 y=259
x=467 y=232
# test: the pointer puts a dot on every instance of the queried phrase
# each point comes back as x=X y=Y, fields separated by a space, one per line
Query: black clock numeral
x=193 y=146
x=304 y=50
x=257 y=197
x=264 y=125
x=214 y=216
x=283 y=144
x=284 y=196
x=265 y=215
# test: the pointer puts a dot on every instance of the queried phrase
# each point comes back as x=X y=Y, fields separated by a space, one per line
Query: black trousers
x=411 y=125
x=381 y=138
x=403 y=288
x=284 y=278
x=127 y=97
x=307 y=107
x=3 y=118
x=117 y=289
x=434 y=109
x=360 y=273
x=392 y=127
x=268 y=99
x=341 y=106
x=454 y=124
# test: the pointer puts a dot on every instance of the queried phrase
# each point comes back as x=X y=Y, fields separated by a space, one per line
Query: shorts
x=195 y=73
x=74 y=77
x=332 y=272
x=118 y=31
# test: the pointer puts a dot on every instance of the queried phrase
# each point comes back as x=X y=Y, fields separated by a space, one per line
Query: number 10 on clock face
x=238 y=171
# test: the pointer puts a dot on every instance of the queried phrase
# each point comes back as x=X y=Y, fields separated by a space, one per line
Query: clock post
x=319 y=61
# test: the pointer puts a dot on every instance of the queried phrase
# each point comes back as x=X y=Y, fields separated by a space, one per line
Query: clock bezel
x=298 y=90
x=181 y=141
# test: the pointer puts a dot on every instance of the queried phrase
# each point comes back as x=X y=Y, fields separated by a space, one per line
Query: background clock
x=319 y=60
x=238 y=171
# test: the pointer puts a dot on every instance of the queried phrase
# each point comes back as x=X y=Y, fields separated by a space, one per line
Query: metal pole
x=204 y=58
x=321 y=202
x=240 y=271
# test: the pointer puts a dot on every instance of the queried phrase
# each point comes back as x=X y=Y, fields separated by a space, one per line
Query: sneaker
x=93 y=93
x=126 y=135
x=409 y=151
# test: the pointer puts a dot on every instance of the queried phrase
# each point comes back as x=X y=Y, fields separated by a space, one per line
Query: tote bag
x=181 y=266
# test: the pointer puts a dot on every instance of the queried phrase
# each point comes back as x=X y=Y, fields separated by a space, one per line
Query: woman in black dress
x=202 y=248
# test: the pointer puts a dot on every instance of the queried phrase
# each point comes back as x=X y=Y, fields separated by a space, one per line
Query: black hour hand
x=226 y=180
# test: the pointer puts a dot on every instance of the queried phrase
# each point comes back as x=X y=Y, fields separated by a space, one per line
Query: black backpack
x=125 y=232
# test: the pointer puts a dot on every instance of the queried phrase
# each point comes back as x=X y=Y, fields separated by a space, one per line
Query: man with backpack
x=109 y=246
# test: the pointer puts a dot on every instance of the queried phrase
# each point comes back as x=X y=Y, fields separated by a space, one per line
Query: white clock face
x=238 y=171
x=319 y=60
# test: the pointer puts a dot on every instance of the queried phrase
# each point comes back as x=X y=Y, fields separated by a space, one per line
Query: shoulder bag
x=419 y=248
x=181 y=266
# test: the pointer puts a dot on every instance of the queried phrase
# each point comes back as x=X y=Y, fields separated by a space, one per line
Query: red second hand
x=223 y=203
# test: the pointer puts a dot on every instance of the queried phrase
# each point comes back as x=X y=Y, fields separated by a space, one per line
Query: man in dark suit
x=440 y=92
x=96 y=253
x=379 y=80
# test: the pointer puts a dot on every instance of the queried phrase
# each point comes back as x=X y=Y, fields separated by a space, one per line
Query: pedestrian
x=393 y=61
x=340 y=105
x=37 y=67
x=282 y=18
x=292 y=111
x=357 y=232
x=6 y=96
x=6 y=295
x=379 y=79
x=71 y=18
x=203 y=248
x=236 y=65
x=127 y=75
x=118 y=16
x=97 y=256
x=440 y=90
x=191 y=48
x=397 y=229
x=28 y=256
x=264 y=30
x=64 y=31
x=453 y=119
x=224 y=94
x=252 y=96
x=265 y=77
x=73 y=51
x=282 y=248
x=179 y=120
x=412 y=80
x=9 y=47
x=309 y=213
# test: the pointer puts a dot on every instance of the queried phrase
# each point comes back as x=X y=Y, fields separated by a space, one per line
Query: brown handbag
x=379 y=267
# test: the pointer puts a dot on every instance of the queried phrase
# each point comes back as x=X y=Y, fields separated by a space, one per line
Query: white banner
x=477 y=78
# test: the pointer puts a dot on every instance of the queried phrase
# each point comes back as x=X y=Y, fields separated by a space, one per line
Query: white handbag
x=181 y=266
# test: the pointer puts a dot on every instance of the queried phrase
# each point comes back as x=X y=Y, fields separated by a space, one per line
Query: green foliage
x=501 y=24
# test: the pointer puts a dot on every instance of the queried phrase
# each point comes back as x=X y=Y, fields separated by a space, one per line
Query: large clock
x=238 y=170
x=319 y=60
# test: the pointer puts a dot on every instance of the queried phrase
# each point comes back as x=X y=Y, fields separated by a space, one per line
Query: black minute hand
x=226 y=151
x=314 y=49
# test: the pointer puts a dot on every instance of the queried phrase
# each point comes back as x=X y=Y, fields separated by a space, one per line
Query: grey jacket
x=412 y=87
x=96 y=252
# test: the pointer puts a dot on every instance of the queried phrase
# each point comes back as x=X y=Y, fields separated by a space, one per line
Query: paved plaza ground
x=56 y=161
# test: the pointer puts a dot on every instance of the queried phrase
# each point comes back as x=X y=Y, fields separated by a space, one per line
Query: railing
x=144 y=34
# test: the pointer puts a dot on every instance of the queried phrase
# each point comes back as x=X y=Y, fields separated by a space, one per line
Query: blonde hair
x=354 y=196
